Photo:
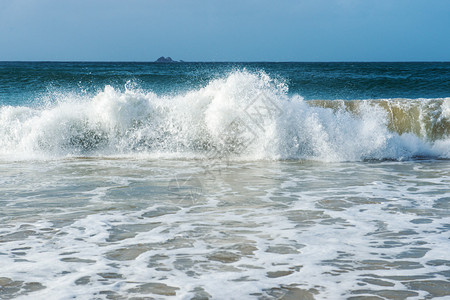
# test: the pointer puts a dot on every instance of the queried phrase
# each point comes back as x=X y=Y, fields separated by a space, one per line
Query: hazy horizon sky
x=210 y=30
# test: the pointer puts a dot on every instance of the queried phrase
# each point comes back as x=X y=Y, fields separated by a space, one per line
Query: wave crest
x=243 y=116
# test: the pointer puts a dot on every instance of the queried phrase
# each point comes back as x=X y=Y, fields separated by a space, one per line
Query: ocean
x=224 y=180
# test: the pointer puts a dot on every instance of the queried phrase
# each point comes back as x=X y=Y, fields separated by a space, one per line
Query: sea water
x=224 y=180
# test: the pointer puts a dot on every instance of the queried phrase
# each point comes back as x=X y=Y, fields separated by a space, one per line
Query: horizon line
x=214 y=61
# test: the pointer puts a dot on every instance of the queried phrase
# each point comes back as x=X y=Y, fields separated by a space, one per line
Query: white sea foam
x=243 y=116
x=107 y=229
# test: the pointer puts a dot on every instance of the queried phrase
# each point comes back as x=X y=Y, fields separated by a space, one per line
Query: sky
x=228 y=30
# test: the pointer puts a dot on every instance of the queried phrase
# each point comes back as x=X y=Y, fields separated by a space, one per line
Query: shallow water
x=118 y=227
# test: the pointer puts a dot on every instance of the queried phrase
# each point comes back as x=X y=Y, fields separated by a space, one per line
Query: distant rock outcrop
x=163 y=59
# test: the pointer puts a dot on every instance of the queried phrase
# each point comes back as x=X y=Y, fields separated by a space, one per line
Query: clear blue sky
x=228 y=30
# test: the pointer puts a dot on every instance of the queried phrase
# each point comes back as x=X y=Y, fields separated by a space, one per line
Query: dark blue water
x=25 y=82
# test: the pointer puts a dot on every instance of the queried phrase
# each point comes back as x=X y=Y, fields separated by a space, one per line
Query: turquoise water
x=24 y=82
x=224 y=180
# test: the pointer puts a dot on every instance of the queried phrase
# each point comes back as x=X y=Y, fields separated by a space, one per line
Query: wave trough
x=243 y=116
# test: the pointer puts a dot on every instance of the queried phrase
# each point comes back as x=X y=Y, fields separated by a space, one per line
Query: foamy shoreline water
x=96 y=228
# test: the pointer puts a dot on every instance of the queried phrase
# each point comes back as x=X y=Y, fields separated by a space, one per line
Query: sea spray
x=242 y=116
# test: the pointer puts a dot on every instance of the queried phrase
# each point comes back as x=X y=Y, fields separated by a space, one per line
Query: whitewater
x=224 y=181
x=242 y=108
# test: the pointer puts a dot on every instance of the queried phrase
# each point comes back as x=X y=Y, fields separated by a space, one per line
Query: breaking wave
x=243 y=116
